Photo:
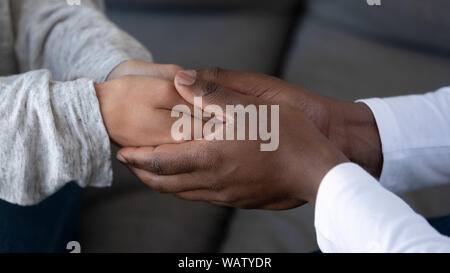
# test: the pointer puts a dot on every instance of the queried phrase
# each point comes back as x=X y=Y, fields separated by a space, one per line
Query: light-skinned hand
x=136 y=109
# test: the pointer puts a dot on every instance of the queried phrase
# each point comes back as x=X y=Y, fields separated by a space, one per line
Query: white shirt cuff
x=391 y=140
x=415 y=139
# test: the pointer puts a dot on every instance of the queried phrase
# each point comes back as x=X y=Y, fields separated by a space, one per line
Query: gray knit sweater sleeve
x=52 y=133
x=69 y=40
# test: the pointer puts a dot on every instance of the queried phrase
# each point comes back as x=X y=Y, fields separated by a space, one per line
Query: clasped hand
x=313 y=138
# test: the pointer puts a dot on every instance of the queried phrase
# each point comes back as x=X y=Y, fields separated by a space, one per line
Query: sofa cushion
x=253 y=231
x=417 y=23
x=239 y=39
x=347 y=65
x=263 y=4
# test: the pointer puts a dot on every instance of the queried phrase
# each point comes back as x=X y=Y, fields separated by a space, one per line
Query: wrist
x=353 y=129
x=101 y=91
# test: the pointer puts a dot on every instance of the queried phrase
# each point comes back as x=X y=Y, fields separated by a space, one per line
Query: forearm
x=403 y=140
x=71 y=41
x=52 y=133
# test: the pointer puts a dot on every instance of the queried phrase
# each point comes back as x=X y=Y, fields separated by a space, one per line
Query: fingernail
x=186 y=77
x=121 y=158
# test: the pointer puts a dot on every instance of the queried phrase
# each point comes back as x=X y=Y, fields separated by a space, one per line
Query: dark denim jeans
x=441 y=224
x=46 y=227
x=49 y=226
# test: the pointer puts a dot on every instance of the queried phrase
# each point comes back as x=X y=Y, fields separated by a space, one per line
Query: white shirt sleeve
x=415 y=139
x=354 y=213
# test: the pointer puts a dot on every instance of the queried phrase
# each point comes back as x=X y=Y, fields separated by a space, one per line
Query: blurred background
x=344 y=49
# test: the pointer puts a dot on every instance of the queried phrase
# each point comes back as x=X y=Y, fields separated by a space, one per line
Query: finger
x=189 y=86
x=260 y=85
x=170 y=159
x=173 y=184
x=201 y=195
x=281 y=205
x=254 y=84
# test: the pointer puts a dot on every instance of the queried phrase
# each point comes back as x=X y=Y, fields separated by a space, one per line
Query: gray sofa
x=344 y=49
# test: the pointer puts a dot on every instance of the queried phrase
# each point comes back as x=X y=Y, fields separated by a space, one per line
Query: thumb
x=192 y=86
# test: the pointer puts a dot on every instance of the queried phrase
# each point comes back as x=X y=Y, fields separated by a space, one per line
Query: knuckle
x=210 y=87
x=221 y=97
x=207 y=157
x=184 y=165
x=214 y=73
x=217 y=187
x=212 y=157
x=214 y=93
x=155 y=165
